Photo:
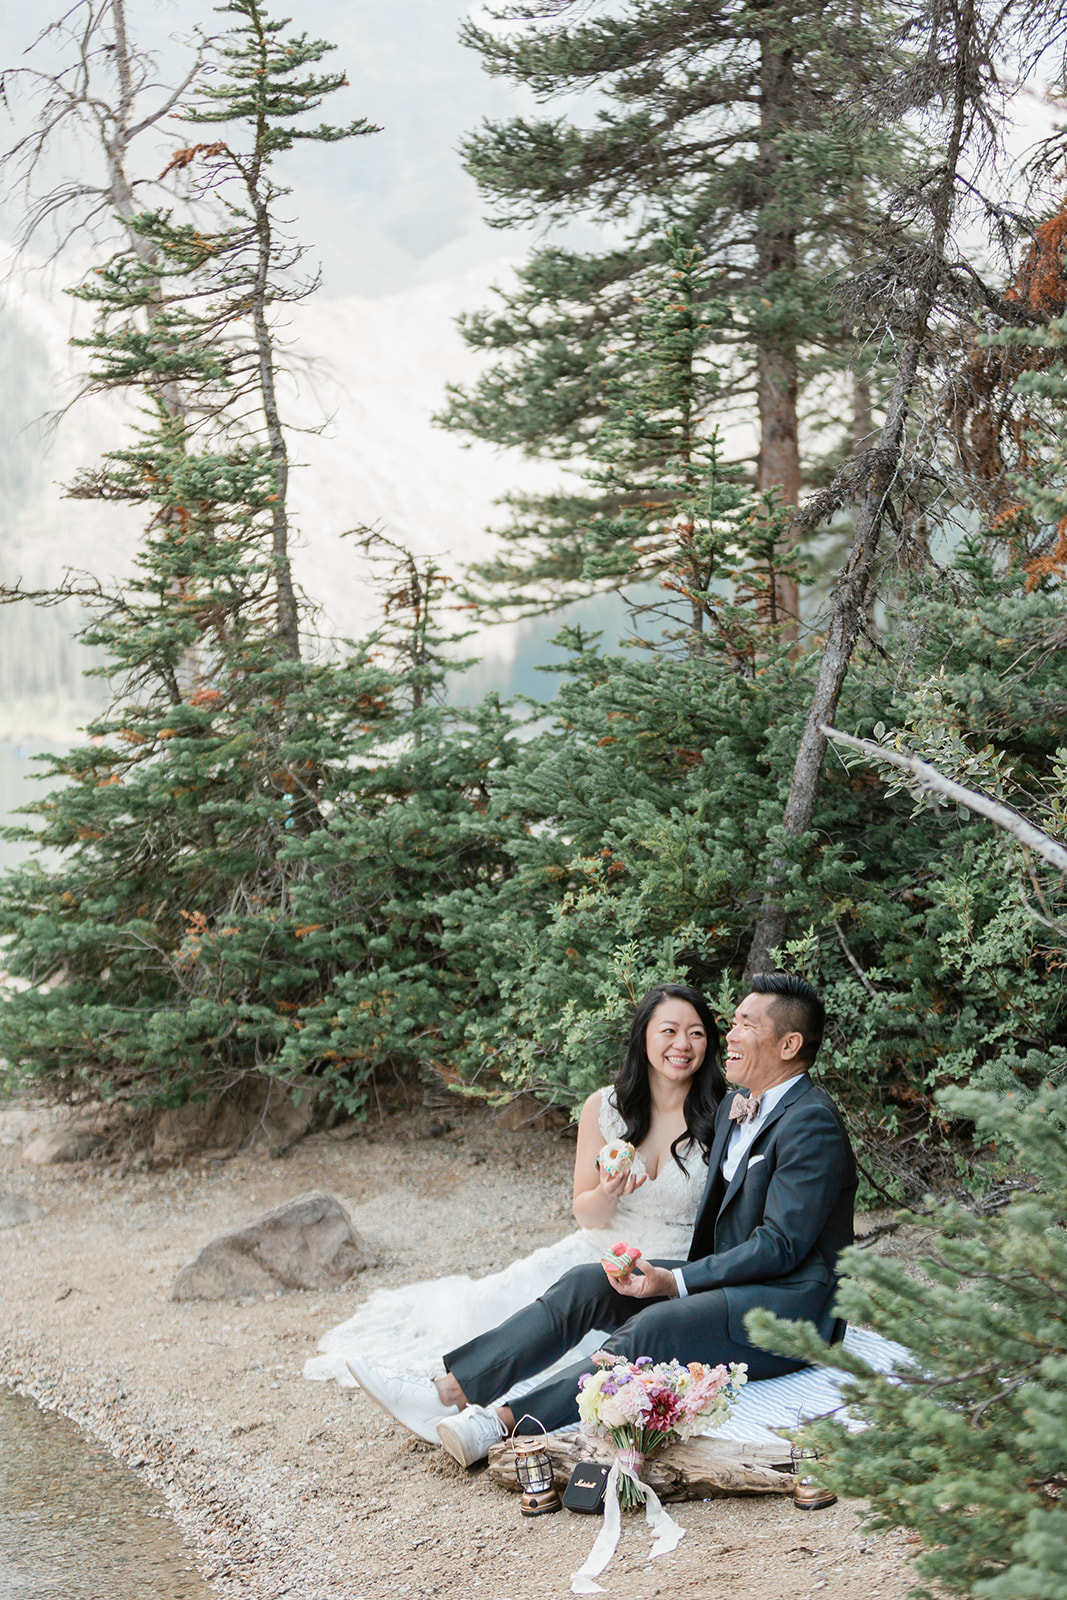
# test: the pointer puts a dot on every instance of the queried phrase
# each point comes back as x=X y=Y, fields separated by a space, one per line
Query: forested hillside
x=275 y=861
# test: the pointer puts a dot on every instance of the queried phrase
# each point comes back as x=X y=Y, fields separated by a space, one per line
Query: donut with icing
x=620 y=1260
x=615 y=1157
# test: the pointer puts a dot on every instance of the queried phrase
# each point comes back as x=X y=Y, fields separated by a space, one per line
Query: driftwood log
x=700 y=1469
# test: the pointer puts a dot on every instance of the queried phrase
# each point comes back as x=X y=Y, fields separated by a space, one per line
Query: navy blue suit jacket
x=771 y=1237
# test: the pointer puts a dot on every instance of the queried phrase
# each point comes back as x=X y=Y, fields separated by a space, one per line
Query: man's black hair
x=797 y=1007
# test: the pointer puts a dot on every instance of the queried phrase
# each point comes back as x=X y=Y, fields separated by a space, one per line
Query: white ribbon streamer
x=669 y=1533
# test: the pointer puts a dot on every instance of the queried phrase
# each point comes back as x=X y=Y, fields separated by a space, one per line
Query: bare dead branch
x=934 y=782
x=80 y=587
x=853 y=963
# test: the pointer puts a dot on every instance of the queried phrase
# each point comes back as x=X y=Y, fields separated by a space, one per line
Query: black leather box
x=585 y=1491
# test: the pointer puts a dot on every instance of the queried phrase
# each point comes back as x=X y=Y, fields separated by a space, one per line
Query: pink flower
x=703 y=1391
x=628 y=1405
x=632 y=1401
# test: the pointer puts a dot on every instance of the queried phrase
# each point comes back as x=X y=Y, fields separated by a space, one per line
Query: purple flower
x=584 y=1379
x=643 y=1361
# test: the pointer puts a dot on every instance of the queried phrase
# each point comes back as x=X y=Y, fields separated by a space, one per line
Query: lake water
x=19 y=788
x=44 y=698
x=75 y=1524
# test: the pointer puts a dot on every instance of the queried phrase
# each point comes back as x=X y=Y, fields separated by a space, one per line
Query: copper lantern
x=533 y=1467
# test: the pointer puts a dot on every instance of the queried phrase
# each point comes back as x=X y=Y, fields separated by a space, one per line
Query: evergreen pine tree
x=1007 y=405
x=664 y=505
x=268 y=83
x=731 y=127
x=915 y=288
x=172 y=819
x=637 y=814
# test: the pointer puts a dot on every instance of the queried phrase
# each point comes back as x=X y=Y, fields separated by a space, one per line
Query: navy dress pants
x=695 y=1328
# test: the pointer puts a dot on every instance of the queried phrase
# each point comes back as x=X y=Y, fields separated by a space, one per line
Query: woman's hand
x=619 y=1184
x=596 y=1196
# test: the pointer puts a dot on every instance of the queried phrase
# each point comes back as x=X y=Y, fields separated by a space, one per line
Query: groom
x=776 y=1211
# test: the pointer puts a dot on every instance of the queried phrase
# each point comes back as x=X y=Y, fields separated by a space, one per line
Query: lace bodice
x=659 y=1215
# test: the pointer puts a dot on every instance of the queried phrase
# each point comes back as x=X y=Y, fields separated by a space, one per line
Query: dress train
x=408 y=1329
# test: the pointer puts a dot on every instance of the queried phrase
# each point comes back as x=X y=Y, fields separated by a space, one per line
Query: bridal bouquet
x=642 y=1406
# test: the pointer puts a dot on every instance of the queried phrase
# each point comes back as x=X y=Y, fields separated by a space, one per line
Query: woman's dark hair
x=707 y=1087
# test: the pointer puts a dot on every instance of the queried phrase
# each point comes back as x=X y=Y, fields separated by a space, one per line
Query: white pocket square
x=753 y=1159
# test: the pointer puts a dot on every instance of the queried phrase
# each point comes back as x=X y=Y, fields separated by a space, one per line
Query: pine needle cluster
x=965 y=1443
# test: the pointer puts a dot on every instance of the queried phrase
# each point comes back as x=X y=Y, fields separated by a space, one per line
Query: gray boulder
x=309 y=1243
x=15 y=1209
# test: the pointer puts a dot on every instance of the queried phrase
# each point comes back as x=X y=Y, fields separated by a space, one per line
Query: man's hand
x=646 y=1282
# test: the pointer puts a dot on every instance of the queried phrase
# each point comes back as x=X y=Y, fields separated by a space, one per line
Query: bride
x=663 y=1101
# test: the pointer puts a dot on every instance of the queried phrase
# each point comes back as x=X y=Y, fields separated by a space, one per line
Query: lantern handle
x=526 y=1417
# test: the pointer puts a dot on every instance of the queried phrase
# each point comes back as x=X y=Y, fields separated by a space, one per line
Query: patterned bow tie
x=745 y=1107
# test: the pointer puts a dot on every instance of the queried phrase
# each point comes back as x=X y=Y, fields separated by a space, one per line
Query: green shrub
x=967 y=1445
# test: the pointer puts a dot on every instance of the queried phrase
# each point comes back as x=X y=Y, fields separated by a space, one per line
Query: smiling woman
x=666 y=1095
x=663 y=1102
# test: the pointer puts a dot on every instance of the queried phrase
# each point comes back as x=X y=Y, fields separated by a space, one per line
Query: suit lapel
x=718 y=1144
x=715 y=1155
x=795 y=1093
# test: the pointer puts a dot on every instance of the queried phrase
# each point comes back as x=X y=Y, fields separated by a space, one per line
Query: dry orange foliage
x=991 y=421
x=185 y=158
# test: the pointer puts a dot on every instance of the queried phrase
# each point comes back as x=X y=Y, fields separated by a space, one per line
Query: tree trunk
x=850 y=594
x=849 y=605
x=778 y=464
x=862 y=420
x=116 y=147
x=779 y=461
x=190 y=669
x=288 y=615
x=700 y=1469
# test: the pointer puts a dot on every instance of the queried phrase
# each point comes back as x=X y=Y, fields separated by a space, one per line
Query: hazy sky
x=382 y=212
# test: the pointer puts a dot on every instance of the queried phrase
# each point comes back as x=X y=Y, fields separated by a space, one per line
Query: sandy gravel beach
x=289 y=1488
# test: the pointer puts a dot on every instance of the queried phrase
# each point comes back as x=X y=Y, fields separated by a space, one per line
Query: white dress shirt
x=737 y=1145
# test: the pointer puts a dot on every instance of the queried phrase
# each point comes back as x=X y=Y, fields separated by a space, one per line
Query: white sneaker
x=413 y=1402
x=468 y=1435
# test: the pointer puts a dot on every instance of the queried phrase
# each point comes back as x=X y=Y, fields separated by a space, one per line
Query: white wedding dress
x=409 y=1329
